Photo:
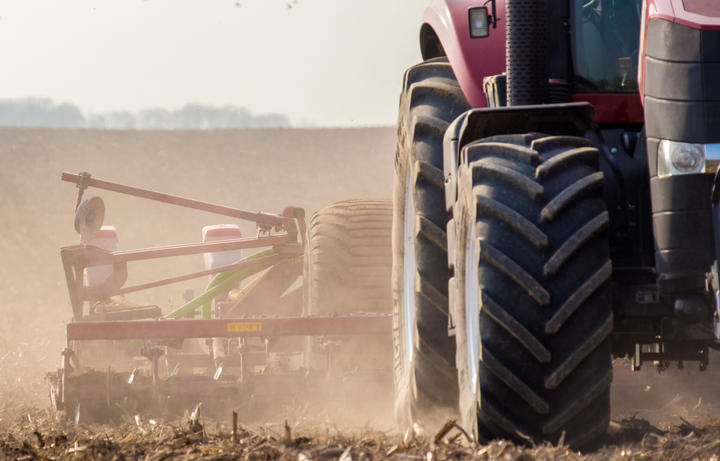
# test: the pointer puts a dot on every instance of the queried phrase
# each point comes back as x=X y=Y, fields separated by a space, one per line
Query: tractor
x=554 y=206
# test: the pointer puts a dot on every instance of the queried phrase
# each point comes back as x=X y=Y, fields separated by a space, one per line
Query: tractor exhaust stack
x=526 y=51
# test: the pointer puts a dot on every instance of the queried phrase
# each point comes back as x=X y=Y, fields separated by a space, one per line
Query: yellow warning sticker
x=243 y=327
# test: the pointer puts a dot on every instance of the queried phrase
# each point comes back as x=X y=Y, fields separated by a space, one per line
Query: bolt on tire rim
x=409 y=271
x=472 y=317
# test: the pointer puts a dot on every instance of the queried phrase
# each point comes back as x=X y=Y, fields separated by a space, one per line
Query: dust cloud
x=255 y=169
x=672 y=415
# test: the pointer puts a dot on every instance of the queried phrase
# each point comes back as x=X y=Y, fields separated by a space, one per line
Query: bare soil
x=669 y=416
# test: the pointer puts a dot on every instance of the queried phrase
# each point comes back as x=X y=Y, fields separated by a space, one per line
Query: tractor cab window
x=606 y=39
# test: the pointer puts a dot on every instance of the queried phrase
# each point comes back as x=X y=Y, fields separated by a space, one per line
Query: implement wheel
x=347 y=271
x=531 y=290
x=424 y=354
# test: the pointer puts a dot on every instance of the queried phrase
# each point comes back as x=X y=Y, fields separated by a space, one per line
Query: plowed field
x=669 y=416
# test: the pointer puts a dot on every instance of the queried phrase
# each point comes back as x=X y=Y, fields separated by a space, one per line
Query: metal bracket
x=664 y=353
x=153 y=354
x=82 y=185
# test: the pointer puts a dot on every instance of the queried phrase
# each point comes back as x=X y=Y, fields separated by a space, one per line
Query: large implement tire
x=347 y=271
x=531 y=290
x=424 y=354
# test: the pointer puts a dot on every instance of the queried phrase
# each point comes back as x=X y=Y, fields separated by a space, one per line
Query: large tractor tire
x=347 y=271
x=531 y=290
x=424 y=354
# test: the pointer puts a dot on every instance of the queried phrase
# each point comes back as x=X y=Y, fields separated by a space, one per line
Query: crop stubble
x=262 y=169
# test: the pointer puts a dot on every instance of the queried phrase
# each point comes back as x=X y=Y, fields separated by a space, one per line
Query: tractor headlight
x=680 y=158
x=479 y=22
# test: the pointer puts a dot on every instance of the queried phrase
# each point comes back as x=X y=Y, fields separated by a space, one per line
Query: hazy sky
x=331 y=62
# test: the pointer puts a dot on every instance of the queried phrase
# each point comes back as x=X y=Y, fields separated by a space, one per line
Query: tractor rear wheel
x=531 y=290
x=347 y=271
x=424 y=354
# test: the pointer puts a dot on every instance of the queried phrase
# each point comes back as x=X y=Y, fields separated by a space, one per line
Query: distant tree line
x=43 y=112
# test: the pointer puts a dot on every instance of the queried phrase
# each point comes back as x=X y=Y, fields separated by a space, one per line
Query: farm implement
x=255 y=337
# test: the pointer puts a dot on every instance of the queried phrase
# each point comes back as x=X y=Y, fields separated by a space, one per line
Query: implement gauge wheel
x=347 y=271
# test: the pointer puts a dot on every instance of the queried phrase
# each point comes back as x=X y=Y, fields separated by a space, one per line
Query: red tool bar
x=266 y=219
x=216 y=328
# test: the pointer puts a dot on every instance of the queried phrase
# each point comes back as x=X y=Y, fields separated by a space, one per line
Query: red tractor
x=555 y=205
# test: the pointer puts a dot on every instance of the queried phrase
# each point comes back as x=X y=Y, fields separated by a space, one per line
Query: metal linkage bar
x=93 y=256
x=262 y=262
x=262 y=219
x=216 y=328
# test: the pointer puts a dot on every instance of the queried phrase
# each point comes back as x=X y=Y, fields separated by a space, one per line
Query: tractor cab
x=606 y=37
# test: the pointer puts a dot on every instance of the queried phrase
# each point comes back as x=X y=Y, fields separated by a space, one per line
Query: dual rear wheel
x=501 y=305
x=517 y=271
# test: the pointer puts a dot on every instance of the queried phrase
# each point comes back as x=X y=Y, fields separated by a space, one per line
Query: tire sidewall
x=403 y=372
x=464 y=214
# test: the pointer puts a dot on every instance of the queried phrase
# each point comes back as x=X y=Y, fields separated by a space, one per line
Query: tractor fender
x=572 y=118
x=446 y=30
